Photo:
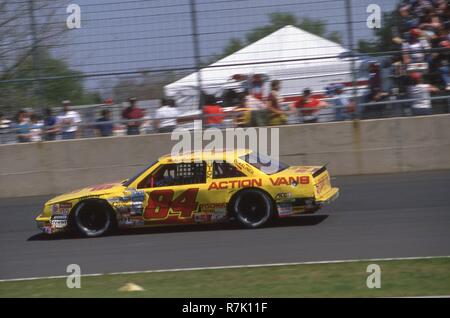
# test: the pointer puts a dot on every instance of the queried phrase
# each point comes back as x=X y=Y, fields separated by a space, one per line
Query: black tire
x=252 y=208
x=93 y=218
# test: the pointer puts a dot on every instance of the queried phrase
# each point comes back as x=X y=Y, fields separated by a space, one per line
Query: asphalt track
x=379 y=216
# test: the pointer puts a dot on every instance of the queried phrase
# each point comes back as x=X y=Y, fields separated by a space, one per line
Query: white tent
x=296 y=57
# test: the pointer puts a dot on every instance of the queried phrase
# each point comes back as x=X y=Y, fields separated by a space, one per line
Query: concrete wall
x=362 y=147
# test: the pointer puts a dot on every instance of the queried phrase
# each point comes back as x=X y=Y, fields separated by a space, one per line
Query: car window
x=137 y=175
x=175 y=174
x=225 y=170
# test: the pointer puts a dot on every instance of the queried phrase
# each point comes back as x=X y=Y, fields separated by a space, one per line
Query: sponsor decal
x=47 y=229
x=137 y=195
x=121 y=207
x=131 y=203
x=284 y=209
x=279 y=181
x=245 y=167
x=61 y=208
x=58 y=221
x=209 y=171
x=283 y=196
x=209 y=217
x=137 y=208
x=202 y=217
x=125 y=219
x=213 y=208
x=55 y=208
x=233 y=184
x=304 y=169
x=128 y=219
x=322 y=184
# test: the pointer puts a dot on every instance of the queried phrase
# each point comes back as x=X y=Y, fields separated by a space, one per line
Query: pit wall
x=349 y=148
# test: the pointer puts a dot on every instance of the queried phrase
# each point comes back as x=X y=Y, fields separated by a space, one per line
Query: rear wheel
x=93 y=218
x=253 y=208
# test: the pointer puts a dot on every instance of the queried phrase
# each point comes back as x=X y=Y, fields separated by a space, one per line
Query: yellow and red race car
x=199 y=187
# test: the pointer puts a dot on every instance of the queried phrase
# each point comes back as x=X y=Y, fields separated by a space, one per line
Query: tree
x=28 y=29
x=21 y=94
x=19 y=21
x=279 y=20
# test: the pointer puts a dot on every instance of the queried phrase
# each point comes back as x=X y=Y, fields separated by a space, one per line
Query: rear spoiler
x=319 y=171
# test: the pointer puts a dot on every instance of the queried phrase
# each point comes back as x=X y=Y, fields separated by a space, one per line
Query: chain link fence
x=360 y=60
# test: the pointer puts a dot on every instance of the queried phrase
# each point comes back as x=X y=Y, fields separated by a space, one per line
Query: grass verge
x=421 y=277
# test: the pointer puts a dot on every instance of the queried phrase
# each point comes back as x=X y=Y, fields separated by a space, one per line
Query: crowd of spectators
x=29 y=126
x=422 y=36
x=273 y=109
x=254 y=109
x=424 y=25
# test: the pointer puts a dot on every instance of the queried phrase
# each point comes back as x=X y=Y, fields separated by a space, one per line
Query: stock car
x=199 y=187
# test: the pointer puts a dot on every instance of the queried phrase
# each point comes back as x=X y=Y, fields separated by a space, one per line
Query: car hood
x=91 y=191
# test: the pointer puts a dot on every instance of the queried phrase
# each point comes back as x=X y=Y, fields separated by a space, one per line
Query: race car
x=198 y=187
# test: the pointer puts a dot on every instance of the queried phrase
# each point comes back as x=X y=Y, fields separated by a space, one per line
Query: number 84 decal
x=161 y=202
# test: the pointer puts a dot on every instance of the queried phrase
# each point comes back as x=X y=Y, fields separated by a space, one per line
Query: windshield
x=127 y=182
x=264 y=163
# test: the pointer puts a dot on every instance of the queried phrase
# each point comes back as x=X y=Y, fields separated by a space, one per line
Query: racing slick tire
x=253 y=208
x=93 y=218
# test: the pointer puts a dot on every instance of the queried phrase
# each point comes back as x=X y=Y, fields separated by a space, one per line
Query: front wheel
x=253 y=208
x=93 y=219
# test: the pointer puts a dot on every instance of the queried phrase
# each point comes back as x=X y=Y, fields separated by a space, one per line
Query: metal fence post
x=350 y=39
x=196 y=50
x=35 y=55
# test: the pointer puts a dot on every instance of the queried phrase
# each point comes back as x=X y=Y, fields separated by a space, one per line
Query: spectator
x=251 y=111
x=5 y=124
x=35 y=128
x=253 y=101
x=68 y=121
x=441 y=59
x=432 y=23
x=421 y=93
x=342 y=103
x=413 y=50
x=166 y=116
x=50 y=125
x=376 y=93
x=242 y=115
x=28 y=112
x=22 y=127
x=104 y=125
x=309 y=107
x=277 y=116
x=133 y=112
x=407 y=21
x=212 y=112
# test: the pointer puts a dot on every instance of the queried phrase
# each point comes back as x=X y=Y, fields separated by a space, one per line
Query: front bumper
x=53 y=224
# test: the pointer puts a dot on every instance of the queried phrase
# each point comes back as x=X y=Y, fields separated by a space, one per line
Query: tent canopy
x=288 y=54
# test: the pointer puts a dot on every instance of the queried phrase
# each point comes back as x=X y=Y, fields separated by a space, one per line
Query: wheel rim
x=92 y=221
x=252 y=208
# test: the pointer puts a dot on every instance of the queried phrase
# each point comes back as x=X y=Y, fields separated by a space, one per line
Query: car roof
x=217 y=154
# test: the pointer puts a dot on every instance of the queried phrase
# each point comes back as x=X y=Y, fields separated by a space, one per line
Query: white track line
x=232 y=266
